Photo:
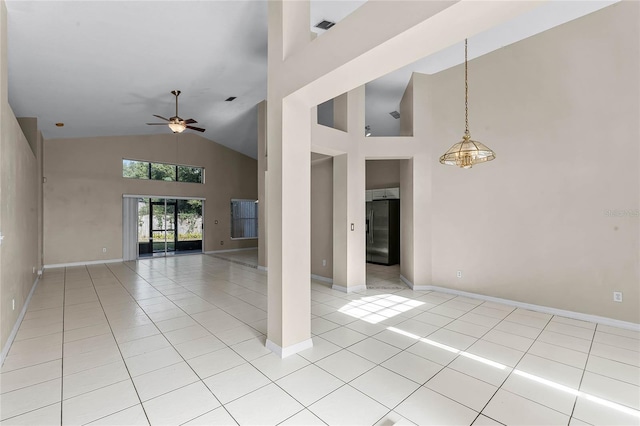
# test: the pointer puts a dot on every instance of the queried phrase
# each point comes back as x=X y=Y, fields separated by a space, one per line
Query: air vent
x=395 y=114
x=230 y=98
x=325 y=25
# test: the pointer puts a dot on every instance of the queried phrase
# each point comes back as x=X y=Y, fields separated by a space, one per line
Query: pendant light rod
x=466 y=92
x=176 y=93
x=177 y=125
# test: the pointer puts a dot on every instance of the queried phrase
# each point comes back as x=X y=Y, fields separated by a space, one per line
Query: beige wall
x=262 y=184
x=84 y=188
x=380 y=174
x=18 y=206
x=322 y=217
x=406 y=220
x=561 y=112
x=383 y=174
x=303 y=74
x=29 y=126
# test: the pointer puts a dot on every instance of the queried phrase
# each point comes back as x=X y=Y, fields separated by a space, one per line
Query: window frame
x=176 y=174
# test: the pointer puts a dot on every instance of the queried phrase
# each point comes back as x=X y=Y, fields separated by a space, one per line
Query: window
x=189 y=174
x=244 y=219
x=135 y=169
x=161 y=171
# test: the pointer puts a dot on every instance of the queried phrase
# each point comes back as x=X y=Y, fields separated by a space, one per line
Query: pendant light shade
x=467 y=152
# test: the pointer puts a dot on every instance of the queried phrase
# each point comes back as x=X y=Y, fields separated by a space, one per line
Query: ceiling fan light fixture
x=175 y=123
x=177 y=126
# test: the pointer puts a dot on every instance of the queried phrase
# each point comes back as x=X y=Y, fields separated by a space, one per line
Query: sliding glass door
x=162 y=226
x=168 y=226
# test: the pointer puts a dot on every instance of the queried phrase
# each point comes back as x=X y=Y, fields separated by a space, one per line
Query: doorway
x=382 y=219
x=169 y=226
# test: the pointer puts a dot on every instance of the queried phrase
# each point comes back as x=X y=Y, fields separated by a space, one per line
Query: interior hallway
x=181 y=341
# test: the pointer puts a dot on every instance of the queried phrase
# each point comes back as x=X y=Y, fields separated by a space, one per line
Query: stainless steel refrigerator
x=383 y=231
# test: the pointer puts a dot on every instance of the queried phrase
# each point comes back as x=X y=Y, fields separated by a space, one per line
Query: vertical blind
x=244 y=219
x=129 y=228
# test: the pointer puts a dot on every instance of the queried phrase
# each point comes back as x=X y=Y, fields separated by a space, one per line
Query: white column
x=288 y=190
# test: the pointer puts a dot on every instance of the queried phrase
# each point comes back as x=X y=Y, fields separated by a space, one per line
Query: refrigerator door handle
x=372 y=227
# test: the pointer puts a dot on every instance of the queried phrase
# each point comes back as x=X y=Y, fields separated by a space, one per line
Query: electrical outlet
x=459 y=274
x=617 y=296
x=221 y=243
x=104 y=249
x=13 y=304
x=324 y=262
x=34 y=270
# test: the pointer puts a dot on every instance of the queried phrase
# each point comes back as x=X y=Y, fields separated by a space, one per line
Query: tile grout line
x=64 y=296
x=181 y=356
x=276 y=384
x=514 y=368
x=450 y=362
x=575 y=402
x=46 y=381
x=168 y=272
x=498 y=388
x=456 y=357
x=119 y=351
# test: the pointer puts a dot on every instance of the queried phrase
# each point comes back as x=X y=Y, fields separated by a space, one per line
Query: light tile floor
x=181 y=341
x=378 y=276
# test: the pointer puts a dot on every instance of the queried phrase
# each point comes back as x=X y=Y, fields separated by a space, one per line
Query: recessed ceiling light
x=325 y=25
x=395 y=114
x=230 y=98
x=59 y=124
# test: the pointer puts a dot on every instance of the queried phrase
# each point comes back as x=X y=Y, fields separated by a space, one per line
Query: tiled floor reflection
x=181 y=341
x=246 y=257
x=378 y=276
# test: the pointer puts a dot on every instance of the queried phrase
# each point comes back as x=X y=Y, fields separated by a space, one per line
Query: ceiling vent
x=395 y=114
x=325 y=25
x=230 y=98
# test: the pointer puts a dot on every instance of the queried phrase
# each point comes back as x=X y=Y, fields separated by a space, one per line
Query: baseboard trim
x=351 y=289
x=407 y=282
x=538 y=308
x=90 y=262
x=16 y=326
x=263 y=268
x=230 y=250
x=321 y=278
x=289 y=350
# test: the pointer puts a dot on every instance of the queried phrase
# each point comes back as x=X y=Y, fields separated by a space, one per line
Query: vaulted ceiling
x=103 y=68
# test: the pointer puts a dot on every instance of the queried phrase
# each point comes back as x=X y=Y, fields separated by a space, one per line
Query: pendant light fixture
x=467 y=152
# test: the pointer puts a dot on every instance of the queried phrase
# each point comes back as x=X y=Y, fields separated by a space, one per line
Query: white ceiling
x=104 y=67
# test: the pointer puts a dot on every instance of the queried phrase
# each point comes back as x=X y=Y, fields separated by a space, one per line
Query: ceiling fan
x=175 y=123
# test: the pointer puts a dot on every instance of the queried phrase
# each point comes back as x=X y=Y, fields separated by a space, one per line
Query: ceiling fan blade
x=197 y=129
x=190 y=121
x=157 y=124
x=161 y=117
